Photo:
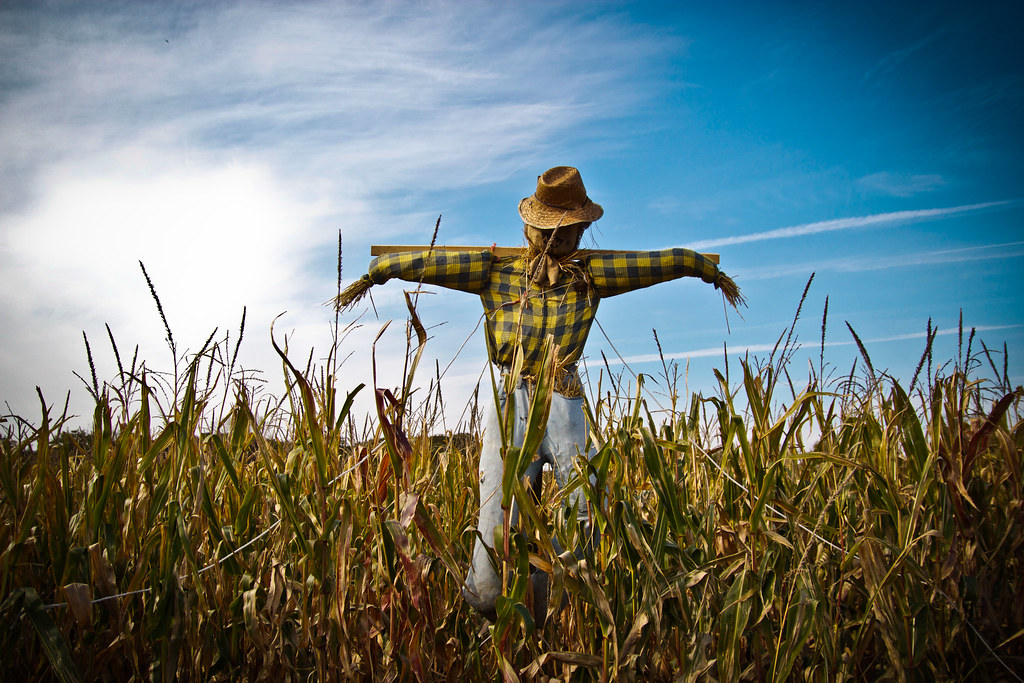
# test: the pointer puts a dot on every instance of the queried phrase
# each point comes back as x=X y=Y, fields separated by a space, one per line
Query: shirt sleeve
x=466 y=271
x=613 y=274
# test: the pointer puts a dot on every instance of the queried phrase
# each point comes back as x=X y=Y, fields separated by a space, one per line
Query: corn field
x=815 y=528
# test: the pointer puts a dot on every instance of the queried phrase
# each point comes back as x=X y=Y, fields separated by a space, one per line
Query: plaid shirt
x=520 y=314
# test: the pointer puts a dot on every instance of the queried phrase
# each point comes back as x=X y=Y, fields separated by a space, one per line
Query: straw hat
x=560 y=199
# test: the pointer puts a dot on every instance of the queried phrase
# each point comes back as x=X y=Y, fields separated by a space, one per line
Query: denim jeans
x=565 y=438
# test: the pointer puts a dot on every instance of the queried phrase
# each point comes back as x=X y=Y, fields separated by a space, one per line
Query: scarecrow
x=549 y=288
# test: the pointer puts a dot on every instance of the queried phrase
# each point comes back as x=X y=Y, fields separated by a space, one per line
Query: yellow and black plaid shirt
x=521 y=314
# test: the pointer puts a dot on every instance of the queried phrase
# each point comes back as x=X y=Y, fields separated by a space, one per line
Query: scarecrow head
x=555 y=216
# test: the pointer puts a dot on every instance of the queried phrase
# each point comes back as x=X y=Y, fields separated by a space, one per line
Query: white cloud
x=375 y=94
x=224 y=145
x=870 y=263
x=226 y=234
x=740 y=349
x=900 y=184
x=895 y=59
x=213 y=240
x=875 y=220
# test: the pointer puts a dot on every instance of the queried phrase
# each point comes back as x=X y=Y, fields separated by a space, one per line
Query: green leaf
x=56 y=648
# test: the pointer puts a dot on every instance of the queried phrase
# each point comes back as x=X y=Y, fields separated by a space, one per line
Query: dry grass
x=851 y=530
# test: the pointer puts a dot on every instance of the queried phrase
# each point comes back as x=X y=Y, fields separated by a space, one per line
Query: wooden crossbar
x=378 y=249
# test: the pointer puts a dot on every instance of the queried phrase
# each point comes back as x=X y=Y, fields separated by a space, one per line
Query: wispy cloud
x=900 y=184
x=984 y=252
x=875 y=220
x=735 y=350
x=370 y=95
x=896 y=58
x=225 y=144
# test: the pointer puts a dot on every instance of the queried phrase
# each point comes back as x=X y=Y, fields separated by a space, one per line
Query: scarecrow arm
x=466 y=271
x=622 y=272
x=500 y=252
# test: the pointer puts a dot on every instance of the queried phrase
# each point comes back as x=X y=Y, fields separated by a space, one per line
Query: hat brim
x=540 y=215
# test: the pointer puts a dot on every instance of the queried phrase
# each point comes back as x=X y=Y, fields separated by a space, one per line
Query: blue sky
x=875 y=144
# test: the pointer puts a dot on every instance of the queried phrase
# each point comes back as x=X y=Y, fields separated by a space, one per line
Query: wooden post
x=378 y=249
